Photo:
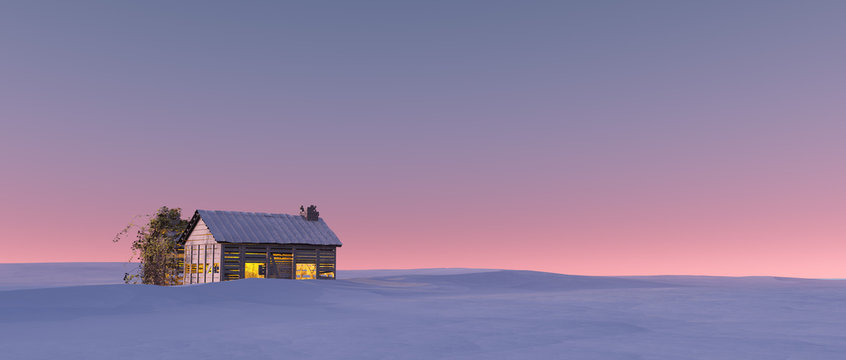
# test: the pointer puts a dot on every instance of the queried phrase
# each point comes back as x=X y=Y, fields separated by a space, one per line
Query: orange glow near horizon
x=680 y=242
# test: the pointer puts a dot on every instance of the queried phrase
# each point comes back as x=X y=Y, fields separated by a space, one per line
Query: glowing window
x=254 y=270
x=306 y=271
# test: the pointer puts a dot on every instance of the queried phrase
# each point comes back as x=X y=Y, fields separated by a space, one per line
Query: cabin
x=231 y=245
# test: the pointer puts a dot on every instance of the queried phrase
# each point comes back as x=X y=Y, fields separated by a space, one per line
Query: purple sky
x=590 y=137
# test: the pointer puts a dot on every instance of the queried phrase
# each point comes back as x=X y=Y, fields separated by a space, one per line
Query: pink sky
x=577 y=138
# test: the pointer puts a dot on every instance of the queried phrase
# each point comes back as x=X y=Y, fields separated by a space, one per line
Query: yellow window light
x=254 y=270
x=306 y=271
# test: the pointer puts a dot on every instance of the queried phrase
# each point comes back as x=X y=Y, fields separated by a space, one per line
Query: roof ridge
x=248 y=212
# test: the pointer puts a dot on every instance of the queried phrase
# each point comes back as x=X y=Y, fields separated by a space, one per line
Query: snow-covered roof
x=253 y=227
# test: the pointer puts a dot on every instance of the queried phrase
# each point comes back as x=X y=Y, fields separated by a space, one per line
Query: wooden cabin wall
x=280 y=261
x=202 y=257
x=180 y=262
x=326 y=263
x=202 y=263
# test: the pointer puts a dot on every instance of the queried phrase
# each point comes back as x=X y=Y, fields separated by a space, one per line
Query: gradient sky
x=589 y=137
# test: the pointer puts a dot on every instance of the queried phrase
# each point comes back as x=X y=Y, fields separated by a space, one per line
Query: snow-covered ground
x=43 y=275
x=422 y=314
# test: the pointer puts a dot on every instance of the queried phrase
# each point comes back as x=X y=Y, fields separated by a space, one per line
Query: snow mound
x=521 y=280
x=42 y=275
x=353 y=274
x=739 y=282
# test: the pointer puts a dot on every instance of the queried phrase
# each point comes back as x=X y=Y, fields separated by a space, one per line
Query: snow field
x=433 y=314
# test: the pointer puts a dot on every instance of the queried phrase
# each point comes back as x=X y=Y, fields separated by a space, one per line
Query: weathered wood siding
x=326 y=263
x=201 y=234
x=280 y=261
x=202 y=257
